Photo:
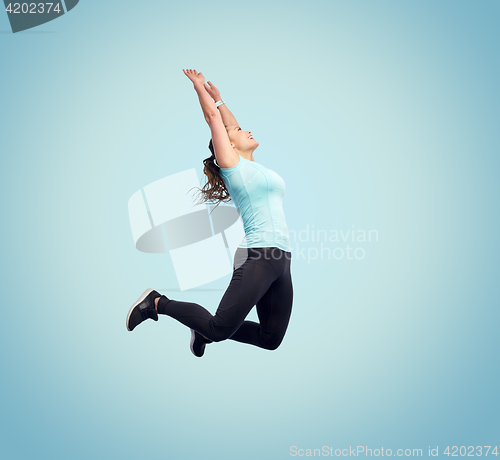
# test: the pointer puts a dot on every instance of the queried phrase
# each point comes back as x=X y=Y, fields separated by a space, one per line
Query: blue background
x=378 y=115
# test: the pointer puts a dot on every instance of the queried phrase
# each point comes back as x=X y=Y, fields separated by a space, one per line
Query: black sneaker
x=198 y=343
x=143 y=309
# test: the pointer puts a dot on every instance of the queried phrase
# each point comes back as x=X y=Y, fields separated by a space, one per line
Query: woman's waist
x=267 y=253
x=267 y=232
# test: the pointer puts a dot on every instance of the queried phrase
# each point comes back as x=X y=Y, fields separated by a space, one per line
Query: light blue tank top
x=258 y=194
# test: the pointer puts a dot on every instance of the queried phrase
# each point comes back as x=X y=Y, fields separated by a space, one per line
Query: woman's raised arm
x=206 y=102
x=227 y=116
x=224 y=153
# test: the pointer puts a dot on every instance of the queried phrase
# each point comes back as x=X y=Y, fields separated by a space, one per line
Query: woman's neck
x=248 y=155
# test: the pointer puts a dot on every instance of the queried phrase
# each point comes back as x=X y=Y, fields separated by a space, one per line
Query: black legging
x=261 y=277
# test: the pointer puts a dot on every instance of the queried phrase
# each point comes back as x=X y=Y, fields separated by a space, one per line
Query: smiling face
x=241 y=140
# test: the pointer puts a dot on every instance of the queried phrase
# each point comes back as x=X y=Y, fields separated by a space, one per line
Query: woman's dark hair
x=214 y=190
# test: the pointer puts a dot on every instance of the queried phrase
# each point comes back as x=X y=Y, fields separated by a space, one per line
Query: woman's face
x=242 y=140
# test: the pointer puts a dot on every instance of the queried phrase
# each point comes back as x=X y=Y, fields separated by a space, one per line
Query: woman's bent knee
x=218 y=335
x=272 y=342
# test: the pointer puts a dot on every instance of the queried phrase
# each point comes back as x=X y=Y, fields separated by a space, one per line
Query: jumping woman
x=261 y=268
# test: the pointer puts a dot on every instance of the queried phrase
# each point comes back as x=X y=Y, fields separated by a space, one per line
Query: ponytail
x=214 y=190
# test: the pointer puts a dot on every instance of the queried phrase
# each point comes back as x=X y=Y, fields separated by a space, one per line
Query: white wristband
x=219 y=103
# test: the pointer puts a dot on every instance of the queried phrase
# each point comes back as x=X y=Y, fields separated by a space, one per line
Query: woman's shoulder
x=229 y=171
x=243 y=164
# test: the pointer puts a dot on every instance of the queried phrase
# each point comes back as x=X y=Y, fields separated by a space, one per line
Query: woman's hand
x=213 y=91
x=196 y=77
